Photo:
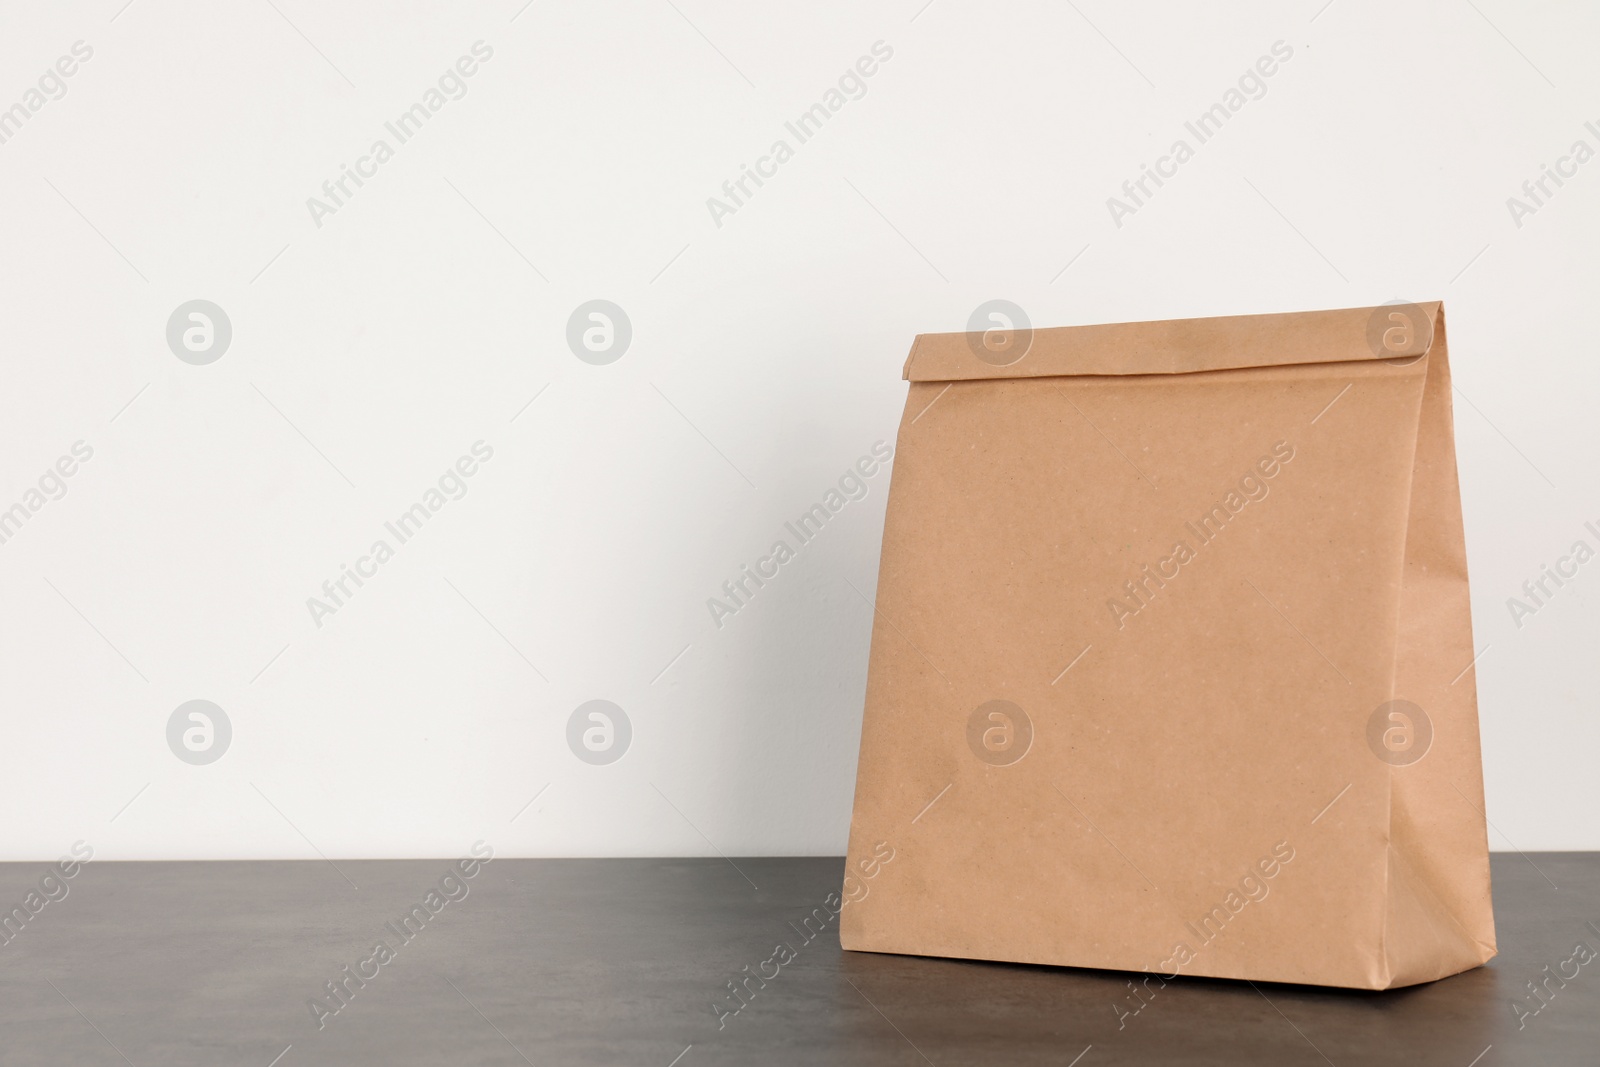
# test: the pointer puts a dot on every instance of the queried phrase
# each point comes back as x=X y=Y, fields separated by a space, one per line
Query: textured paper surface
x=1197 y=563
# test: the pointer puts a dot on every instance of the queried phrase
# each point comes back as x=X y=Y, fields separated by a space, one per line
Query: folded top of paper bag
x=1175 y=346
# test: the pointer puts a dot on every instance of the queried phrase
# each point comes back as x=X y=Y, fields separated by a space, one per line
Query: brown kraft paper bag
x=1171 y=661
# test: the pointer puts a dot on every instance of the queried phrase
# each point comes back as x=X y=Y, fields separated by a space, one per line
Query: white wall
x=370 y=352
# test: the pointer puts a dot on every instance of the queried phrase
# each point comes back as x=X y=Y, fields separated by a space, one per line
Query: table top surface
x=629 y=961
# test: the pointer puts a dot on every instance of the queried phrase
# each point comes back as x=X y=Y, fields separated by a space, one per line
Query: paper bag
x=1171 y=660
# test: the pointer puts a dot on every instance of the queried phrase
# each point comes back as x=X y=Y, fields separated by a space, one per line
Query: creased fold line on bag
x=1178 y=346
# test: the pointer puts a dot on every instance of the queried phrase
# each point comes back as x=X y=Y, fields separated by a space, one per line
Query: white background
x=372 y=351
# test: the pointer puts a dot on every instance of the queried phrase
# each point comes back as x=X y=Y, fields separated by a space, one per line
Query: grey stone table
x=623 y=962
